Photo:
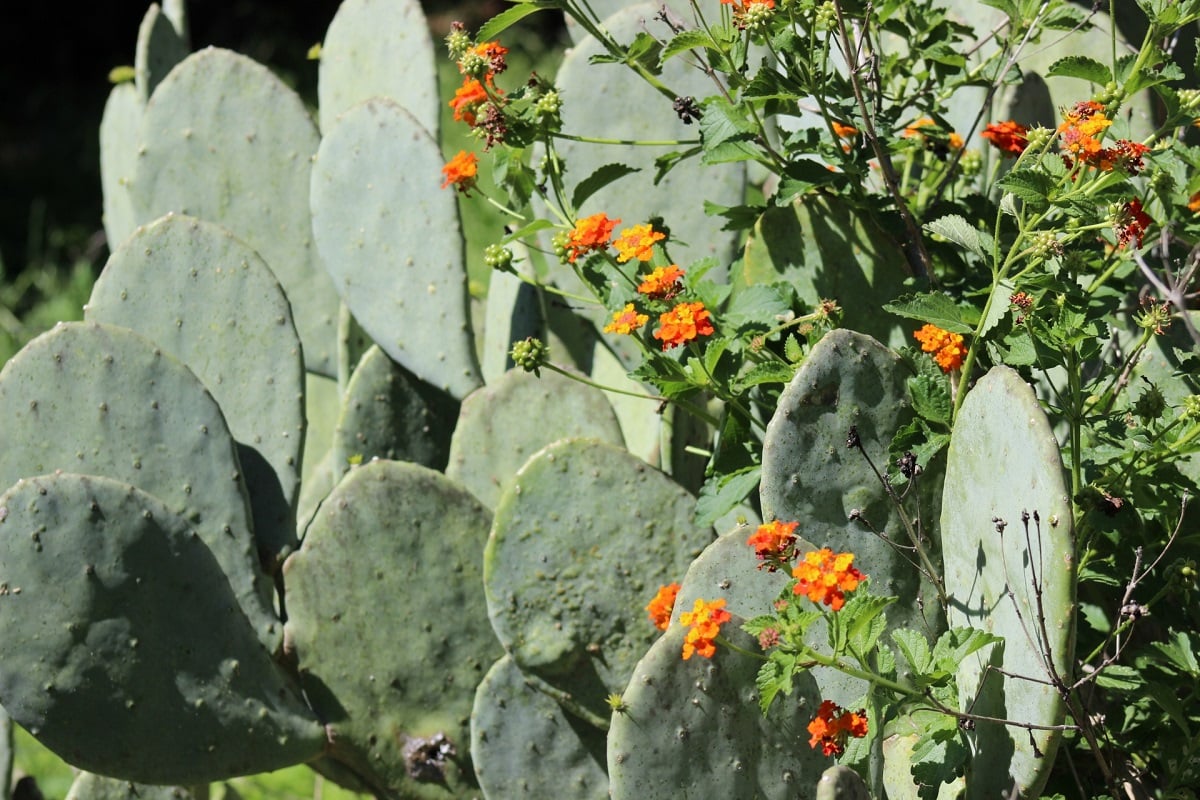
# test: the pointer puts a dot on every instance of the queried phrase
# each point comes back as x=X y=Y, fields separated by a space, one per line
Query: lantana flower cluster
x=678 y=323
x=833 y=725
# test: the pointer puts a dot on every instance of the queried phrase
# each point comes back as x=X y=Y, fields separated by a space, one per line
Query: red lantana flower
x=682 y=324
x=627 y=320
x=468 y=99
x=1008 y=137
x=1131 y=223
x=833 y=725
x=590 y=234
x=824 y=576
x=704 y=622
x=461 y=171
x=662 y=605
x=774 y=542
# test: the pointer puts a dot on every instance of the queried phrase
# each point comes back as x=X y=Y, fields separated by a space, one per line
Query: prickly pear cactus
x=810 y=474
x=126 y=650
x=378 y=48
x=391 y=241
x=824 y=250
x=89 y=786
x=1009 y=559
x=694 y=729
x=581 y=540
x=389 y=629
x=842 y=783
x=225 y=140
x=142 y=412
x=389 y=413
x=169 y=282
x=160 y=46
x=525 y=745
x=501 y=425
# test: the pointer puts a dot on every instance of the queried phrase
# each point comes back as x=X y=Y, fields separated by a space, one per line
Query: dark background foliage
x=54 y=65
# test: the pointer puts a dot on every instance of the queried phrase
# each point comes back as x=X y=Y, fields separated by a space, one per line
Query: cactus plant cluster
x=264 y=509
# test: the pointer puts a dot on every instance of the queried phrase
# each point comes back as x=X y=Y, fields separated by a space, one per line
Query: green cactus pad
x=501 y=425
x=842 y=783
x=103 y=400
x=513 y=312
x=389 y=413
x=825 y=250
x=6 y=753
x=624 y=106
x=810 y=475
x=582 y=539
x=225 y=140
x=126 y=652
x=390 y=239
x=90 y=786
x=694 y=729
x=378 y=48
x=389 y=626
x=118 y=159
x=159 y=48
x=1003 y=462
x=525 y=745
x=206 y=298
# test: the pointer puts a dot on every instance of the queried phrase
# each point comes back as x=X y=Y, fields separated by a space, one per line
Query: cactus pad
x=146 y=420
x=581 y=541
x=391 y=241
x=389 y=626
x=127 y=653
x=206 y=298
x=1003 y=463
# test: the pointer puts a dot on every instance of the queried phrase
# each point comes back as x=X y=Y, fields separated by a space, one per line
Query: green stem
x=635 y=142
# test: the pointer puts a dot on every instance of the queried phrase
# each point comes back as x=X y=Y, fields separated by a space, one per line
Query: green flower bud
x=474 y=65
x=559 y=242
x=497 y=256
x=457 y=40
x=1038 y=138
x=1151 y=405
x=970 y=163
x=530 y=354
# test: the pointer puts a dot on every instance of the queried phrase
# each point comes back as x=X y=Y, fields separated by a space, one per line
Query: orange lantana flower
x=590 y=234
x=843 y=131
x=833 y=724
x=824 y=576
x=637 y=242
x=662 y=605
x=1080 y=128
x=682 y=324
x=461 y=171
x=627 y=320
x=662 y=283
x=1194 y=203
x=947 y=348
x=773 y=542
x=467 y=100
x=704 y=622
x=1009 y=137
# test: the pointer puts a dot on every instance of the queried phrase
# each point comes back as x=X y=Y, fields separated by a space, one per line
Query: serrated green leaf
x=998 y=308
x=1088 y=69
x=756 y=306
x=931 y=398
x=936 y=308
x=767 y=372
x=864 y=620
x=602 y=177
x=1032 y=186
x=914 y=648
x=685 y=41
x=792 y=350
x=956 y=644
x=958 y=230
x=1119 y=676
x=527 y=230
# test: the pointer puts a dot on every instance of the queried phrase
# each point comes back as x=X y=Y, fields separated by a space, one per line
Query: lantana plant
x=1062 y=242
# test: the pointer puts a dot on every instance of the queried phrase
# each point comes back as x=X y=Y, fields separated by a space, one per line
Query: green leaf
x=1119 y=676
x=602 y=177
x=1181 y=652
x=774 y=676
x=931 y=397
x=685 y=41
x=957 y=643
x=527 y=230
x=998 y=308
x=757 y=307
x=936 y=308
x=722 y=122
x=738 y=218
x=1088 y=69
x=506 y=19
x=644 y=50
x=864 y=620
x=958 y=230
x=914 y=648
x=721 y=494
x=1032 y=186
x=767 y=372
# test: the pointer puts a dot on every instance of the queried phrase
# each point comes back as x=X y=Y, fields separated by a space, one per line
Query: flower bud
x=530 y=354
x=499 y=257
